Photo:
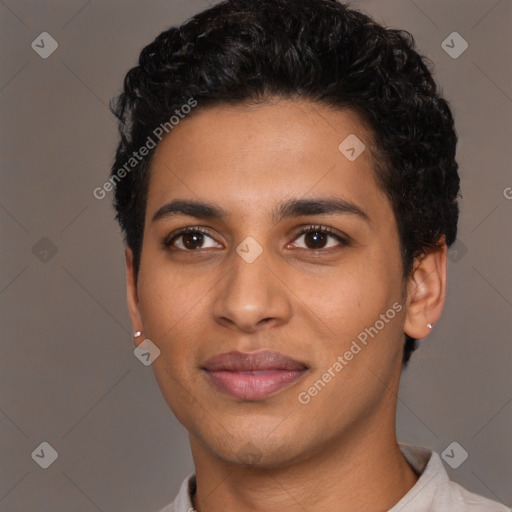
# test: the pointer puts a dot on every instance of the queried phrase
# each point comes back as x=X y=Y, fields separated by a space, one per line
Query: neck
x=363 y=471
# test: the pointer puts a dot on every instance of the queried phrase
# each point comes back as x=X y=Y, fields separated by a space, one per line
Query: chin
x=256 y=449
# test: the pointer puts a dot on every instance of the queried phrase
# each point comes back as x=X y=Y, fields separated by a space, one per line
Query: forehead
x=251 y=157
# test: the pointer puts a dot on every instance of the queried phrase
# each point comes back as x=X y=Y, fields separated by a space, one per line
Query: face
x=311 y=321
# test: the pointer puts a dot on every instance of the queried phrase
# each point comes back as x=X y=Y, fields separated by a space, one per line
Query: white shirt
x=433 y=492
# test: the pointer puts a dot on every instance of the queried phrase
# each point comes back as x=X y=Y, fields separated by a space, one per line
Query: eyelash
x=316 y=228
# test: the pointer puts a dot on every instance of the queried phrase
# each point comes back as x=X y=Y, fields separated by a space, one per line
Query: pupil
x=316 y=236
x=195 y=237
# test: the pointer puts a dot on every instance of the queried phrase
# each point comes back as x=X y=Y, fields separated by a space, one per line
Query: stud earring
x=137 y=334
x=429 y=326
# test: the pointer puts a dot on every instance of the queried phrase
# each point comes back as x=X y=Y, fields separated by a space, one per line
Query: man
x=287 y=186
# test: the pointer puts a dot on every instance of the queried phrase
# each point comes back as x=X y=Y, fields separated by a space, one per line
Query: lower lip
x=254 y=385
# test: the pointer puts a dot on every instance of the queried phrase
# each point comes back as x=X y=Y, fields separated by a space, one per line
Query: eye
x=189 y=239
x=315 y=238
x=192 y=238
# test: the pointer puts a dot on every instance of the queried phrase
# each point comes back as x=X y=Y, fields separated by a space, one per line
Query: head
x=245 y=109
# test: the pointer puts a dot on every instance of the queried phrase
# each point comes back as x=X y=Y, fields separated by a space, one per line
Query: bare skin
x=306 y=298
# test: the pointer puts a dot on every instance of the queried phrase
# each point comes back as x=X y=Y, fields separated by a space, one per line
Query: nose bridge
x=251 y=292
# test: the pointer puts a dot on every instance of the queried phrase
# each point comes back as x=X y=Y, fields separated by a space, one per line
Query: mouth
x=254 y=375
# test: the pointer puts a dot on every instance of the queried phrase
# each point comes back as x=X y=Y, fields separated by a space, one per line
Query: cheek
x=363 y=311
x=355 y=295
x=168 y=301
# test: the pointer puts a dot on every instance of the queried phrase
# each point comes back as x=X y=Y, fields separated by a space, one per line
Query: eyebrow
x=289 y=209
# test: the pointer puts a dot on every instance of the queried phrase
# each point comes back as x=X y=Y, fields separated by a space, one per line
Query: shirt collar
x=426 y=463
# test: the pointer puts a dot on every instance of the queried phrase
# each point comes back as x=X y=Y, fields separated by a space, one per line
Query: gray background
x=67 y=369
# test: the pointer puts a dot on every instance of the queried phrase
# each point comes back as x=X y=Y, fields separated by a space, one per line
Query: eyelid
x=169 y=239
x=342 y=238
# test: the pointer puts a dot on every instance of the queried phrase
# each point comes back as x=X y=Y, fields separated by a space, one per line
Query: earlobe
x=132 y=295
x=426 y=292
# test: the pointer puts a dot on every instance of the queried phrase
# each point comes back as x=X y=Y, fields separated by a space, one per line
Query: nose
x=251 y=296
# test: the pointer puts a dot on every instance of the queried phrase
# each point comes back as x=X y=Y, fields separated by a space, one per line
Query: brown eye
x=190 y=239
x=316 y=238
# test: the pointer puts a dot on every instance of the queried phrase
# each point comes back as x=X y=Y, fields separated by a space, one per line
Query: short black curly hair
x=241 y=51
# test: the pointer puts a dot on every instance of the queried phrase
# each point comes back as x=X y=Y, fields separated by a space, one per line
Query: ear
x=132 y=296
x=426 y=291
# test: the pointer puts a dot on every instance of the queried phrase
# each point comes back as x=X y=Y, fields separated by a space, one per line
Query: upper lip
x=252 y=361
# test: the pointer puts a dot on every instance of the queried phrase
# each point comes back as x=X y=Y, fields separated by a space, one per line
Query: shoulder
x=470 y=502
x=435 y=492
x=183 y=500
